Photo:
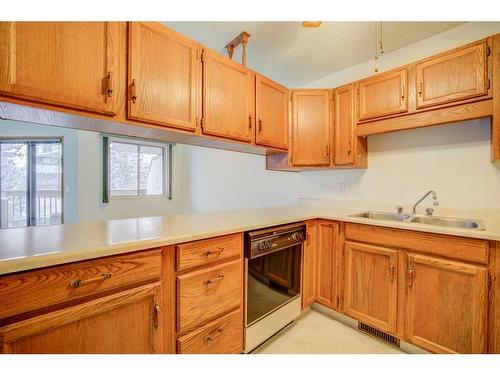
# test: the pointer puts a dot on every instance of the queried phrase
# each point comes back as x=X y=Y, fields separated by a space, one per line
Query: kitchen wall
x=82 y=168
x=452 y=159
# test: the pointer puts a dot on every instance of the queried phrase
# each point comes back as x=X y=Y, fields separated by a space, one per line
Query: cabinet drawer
x=208 y=294
x=38 y=289
x=223 y=336
x=204 y=252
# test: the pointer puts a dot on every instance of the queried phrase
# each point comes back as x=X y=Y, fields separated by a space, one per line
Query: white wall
x=452 y=159
x=82 y=168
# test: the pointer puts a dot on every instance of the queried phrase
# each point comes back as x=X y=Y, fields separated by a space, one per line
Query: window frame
x=106 y=164
x=31 y=169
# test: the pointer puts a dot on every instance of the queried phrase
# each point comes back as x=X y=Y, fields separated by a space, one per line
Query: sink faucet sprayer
x=435 y=203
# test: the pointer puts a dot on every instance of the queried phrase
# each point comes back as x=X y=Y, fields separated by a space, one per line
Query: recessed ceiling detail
x=294 y=55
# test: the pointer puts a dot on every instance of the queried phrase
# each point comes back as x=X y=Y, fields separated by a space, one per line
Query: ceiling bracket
x=240 y=39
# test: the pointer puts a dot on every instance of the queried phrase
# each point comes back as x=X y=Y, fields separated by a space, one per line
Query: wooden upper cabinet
x=447 y=305
x=70 y=64
x=371 y=287
x=128 y=322
x=452 y=76
x=344 y=125
x=311 y=128
x=271 y=113
x=327 y=253
x=228 y=98
x=163 y=77
x=383 y=95
x=309 y=264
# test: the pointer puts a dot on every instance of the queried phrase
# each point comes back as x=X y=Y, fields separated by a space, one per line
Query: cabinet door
x=228 y=98
x=371 y=285
x=123 y=323
x=311 y=126
x=309 y=264
x=272 y=113
x=447 y=305
x=383 y=95
x=71 y=64
x=452 y=76
x=163 y=76
x=327 y=263
x=344 y=125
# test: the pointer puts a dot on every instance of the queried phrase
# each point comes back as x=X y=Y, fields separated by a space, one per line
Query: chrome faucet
x=435 y=203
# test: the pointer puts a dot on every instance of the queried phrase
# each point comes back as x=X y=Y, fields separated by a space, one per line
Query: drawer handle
x=156 y=316
x=213 y=334
x=207 y=253
x=218 y=279
x=79 y=282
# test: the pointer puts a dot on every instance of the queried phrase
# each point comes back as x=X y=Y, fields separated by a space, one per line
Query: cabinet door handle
x=327 y=149
x=403 y=92
x=420 y=87
x=410 y=277
x=133 y=92
x=260 y=125
x=79 y=282
x=156 y=316
x=249 y=122
x=349 y=145
x=213 y=334
x=308 y=238
x=391 y=272
x=109 y=84
x=207 y=253
x=217 y=279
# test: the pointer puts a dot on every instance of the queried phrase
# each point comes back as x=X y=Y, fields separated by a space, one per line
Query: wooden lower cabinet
x=447 y=305
x=122 y=323
x=309 y=264
x=371 y=289
x=328 y=233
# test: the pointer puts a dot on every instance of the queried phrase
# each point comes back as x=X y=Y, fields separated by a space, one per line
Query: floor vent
x=391 y=340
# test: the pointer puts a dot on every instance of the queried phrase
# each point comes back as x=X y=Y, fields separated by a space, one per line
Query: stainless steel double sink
x=420 y=219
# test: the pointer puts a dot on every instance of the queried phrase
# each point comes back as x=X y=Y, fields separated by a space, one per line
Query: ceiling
x=294 y=55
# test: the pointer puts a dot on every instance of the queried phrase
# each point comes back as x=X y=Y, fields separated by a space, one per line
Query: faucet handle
x=435 y=203
x=429 y=211
x=399 y=209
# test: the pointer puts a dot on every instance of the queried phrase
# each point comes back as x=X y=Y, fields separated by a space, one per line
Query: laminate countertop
x=35 y=247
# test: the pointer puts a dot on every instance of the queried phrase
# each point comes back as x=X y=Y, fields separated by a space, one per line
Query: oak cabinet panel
x=327 y=263
x=371 y=285
x=447 y=305
x=228 y=98
x=164 y=77
x=383 y=95
x=453 y=76
x=123 y=323
x=309 y=264
x=344 y=125
x=271 y=113
x=70 y=64
x=311 y=128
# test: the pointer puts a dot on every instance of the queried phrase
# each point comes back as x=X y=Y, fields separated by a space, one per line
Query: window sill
x=137 y=197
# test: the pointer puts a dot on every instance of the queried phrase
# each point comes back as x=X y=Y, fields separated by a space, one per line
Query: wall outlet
x=341 y=188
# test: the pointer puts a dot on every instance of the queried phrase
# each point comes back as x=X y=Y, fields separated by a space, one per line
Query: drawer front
x=38 y=289
x=223 y=336
x=208 y=294
x=204 y=252
x=468 y=249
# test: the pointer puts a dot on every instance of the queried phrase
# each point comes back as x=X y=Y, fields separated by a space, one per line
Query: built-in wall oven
x=272 y=281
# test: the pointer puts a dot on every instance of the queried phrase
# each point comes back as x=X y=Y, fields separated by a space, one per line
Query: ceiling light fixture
x=311 y=24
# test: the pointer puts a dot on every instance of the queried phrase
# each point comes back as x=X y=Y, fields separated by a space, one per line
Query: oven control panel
x=264 y=241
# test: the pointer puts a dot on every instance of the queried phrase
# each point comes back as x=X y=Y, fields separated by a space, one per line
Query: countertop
x=34 y=247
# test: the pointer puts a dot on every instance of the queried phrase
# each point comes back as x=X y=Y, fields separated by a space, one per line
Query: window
x=30 y=182
x=135 y=168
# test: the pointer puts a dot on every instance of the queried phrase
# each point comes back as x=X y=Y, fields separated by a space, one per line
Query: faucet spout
x=434 y=197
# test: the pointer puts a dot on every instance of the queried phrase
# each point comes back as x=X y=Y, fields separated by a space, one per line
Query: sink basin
x=380 y=215
x=449 y=222
x=418 y=219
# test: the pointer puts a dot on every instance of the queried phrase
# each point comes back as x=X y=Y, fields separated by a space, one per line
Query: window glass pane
x=48 y=196
x=123 y=169
x=151 y=170
x=14 y=186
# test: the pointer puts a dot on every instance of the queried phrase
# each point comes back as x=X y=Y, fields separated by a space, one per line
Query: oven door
x=272 y=281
